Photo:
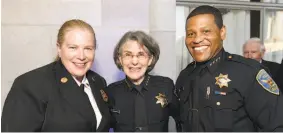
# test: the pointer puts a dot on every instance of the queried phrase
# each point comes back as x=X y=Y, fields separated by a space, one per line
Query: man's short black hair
x=205 y=9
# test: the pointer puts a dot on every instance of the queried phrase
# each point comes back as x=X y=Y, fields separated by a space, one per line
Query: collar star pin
x=64 y=80
x=222 y=80
x=161 y=99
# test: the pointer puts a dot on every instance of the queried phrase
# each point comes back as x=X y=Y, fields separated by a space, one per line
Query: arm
x=174 y=106
x=110 y=104
x=23 y=111
x=265 y=105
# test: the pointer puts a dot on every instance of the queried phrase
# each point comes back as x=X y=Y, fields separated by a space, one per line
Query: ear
x=150 y=61
x=223 y=32
x=120 y=61
x=263 y=51
x=59 y=49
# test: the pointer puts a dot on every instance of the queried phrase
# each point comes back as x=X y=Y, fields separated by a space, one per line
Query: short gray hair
x=255 y=40
x=152 y=47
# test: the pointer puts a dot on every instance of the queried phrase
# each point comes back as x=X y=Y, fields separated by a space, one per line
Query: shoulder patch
x=267 y=82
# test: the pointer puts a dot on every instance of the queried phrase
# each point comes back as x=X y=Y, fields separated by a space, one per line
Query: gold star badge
x=64 y=80
x=161 y=99
x=222 y=80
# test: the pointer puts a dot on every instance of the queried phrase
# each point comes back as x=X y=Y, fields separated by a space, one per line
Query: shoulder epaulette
x=242 y=60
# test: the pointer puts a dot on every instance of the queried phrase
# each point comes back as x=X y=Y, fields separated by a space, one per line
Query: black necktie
x=140 y=111
x=85 y=97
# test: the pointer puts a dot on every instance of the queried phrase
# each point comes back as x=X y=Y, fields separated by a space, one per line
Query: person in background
x=223 y=92
x=254 y=49
x=141 y=102
x=279 y=77
x=63 y=96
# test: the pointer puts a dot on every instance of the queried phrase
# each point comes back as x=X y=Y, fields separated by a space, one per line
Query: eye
x=190 y=34
x=127 y=55
x=72 y=47
x=141 y=54
x=89 y=48
x=206 y=31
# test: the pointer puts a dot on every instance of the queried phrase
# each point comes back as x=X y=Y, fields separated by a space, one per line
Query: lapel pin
x=207 y=92
x=104 y=96
x=64 y=80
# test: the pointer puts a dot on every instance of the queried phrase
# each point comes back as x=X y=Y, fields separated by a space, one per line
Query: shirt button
x=218 y=103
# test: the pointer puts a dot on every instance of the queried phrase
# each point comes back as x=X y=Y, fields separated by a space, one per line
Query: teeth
x=200 y=48
x=135 y=69
x=80 y=64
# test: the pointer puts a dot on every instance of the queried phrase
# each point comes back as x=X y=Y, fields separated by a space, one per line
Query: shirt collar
x=143 y=84
x=213 y=63
x=84 y=81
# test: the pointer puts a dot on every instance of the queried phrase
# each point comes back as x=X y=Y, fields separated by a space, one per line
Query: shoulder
x=184 y=74
x=160 y=79
x=33 y=83
x=35 y=75
x=96 y=76
x=115 y=86
x=240 y=62
x=274 y=65
x=187 y=70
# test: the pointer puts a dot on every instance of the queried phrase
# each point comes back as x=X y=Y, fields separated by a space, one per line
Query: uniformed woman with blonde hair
x=63 y=96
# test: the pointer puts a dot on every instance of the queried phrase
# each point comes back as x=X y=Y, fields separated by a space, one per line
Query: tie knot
x=82 y=86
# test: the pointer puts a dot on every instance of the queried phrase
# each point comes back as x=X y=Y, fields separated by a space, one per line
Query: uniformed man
x=140 y=102
x=220 y=91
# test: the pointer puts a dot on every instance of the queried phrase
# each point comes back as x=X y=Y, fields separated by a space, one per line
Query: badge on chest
x=162 y=100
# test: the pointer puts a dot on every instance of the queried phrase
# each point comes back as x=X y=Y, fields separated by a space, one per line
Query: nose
x=134 y=60
x=198 y=39
x=81 y=54
x=250 y=55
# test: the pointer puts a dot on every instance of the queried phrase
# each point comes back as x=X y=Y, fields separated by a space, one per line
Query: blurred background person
x=63 y=96
x=141 y=102
x=279 y=77
x=254 y=49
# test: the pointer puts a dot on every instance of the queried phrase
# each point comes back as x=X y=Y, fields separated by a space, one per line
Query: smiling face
x=134 y=60
x=203 y=37
x=77 y=51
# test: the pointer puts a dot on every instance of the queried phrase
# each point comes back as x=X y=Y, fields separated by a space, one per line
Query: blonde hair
x=69 y=25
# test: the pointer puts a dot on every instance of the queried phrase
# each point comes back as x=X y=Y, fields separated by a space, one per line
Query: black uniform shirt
x=229 y=93
x=142 y=108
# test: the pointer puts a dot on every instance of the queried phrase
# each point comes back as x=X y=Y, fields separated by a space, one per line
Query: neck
x=80 y=79
x=138 y=81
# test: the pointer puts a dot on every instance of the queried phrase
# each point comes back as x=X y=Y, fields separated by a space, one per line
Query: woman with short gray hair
x=140 y=102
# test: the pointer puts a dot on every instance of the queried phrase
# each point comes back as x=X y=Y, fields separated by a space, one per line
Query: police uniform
x=142 y=108
x=48 y=99
x=228 y=93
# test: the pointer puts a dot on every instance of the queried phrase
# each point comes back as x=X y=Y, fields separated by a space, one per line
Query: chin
x=135 y=77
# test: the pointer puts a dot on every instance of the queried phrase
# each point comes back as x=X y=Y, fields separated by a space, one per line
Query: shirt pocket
x=226 y=103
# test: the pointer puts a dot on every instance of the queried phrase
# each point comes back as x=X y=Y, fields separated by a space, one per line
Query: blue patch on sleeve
x=267 y=82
